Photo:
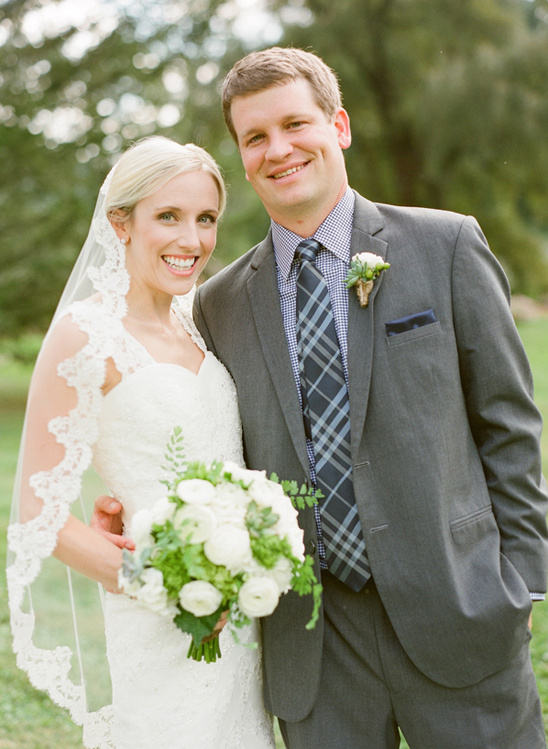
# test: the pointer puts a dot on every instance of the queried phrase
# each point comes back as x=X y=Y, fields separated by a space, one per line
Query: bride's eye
x=207 y=218
x=167 y=216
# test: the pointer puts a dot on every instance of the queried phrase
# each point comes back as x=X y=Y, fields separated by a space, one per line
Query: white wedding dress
x=161 y=698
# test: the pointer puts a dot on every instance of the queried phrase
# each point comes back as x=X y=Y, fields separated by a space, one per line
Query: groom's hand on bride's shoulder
x=107 y=520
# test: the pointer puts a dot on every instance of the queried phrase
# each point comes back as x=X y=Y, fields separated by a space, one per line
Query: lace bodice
x=150 y=403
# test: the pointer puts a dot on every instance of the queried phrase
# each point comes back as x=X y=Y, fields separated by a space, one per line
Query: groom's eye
x=254 y=139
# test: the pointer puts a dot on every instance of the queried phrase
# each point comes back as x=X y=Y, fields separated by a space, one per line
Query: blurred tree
x=448 y=103
x=449 y=109
x=78 y=83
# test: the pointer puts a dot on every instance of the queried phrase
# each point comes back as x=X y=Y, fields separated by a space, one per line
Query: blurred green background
x=28 y=720
x=448 y=103
x=449 y=108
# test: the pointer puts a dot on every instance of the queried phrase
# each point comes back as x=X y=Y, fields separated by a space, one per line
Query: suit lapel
x=265 y=305
x=367 y=222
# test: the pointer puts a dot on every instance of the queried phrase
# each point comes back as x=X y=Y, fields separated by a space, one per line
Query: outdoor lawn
x=28 y=720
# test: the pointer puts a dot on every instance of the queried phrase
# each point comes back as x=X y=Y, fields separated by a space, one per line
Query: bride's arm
x=51 y=397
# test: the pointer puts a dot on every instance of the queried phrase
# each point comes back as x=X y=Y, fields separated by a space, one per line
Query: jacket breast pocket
x=421 y=331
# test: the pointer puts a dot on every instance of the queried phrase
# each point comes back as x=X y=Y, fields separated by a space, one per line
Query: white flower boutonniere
x=364 y=269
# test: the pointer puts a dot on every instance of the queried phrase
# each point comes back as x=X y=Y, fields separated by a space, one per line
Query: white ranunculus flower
x=162 y=510
x=230 y=505
x=229 y=546
x=128 y=587
x=295 y=538
x=200 y=598
x=266 y=493
x=282 y=574
x=139 y=528
x=288 y=526
x=368 y=258
x=258 y=596
x=152 y=594
x=196 y=491
x=197 y=521
x=241 y=474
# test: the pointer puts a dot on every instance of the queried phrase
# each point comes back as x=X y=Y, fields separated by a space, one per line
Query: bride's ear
x=119 y=222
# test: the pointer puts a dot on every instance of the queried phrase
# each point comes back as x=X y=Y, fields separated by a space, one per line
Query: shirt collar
x=334 y=233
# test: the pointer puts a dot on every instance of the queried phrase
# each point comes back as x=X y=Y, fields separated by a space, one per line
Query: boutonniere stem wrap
x=364 y=269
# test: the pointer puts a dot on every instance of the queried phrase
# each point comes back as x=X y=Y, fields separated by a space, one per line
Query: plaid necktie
x=326 y=413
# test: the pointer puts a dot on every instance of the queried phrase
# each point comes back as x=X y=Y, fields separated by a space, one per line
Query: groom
x=414 y=416
x=444 y=441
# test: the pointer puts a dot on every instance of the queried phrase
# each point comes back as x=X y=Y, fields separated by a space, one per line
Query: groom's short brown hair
x=274 y=67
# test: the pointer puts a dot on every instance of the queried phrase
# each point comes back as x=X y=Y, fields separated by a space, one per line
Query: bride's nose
x=188 y=237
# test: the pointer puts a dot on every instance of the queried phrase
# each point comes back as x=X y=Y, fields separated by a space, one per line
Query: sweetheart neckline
x=154 y=364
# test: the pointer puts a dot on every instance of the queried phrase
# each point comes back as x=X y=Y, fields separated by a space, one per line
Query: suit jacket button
x=311 y=549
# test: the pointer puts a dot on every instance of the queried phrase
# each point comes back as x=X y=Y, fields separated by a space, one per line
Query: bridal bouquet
x=224 y=540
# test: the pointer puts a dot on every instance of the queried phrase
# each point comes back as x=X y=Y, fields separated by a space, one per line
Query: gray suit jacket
x=445 y=444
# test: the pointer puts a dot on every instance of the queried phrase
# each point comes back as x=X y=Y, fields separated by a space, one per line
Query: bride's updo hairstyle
x=146 y=167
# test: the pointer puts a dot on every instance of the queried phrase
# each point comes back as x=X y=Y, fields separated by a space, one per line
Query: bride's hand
x=107 y=520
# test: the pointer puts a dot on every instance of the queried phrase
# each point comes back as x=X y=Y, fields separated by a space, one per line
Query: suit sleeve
x=498 y=389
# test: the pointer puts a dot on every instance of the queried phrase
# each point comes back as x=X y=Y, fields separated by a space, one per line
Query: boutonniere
x=364 y=269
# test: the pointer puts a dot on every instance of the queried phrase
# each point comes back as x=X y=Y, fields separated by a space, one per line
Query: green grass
x=28 y=720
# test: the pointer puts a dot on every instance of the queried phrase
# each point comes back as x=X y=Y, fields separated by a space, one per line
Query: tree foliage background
x=448 y=103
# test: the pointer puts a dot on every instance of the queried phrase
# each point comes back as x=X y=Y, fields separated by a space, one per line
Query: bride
x=121 y=365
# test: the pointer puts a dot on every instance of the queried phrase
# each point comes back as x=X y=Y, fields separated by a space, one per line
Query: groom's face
x=292 y=152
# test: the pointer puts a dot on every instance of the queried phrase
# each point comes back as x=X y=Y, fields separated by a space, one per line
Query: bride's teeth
x=179 y=263
x=289 y=171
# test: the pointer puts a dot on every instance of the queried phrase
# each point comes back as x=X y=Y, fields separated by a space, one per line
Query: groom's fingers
x=107 y=520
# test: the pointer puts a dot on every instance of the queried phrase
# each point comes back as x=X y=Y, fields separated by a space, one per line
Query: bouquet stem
x=207 y=651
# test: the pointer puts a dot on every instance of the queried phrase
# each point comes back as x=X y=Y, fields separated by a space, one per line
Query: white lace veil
x=57 y=614
x=51 y=639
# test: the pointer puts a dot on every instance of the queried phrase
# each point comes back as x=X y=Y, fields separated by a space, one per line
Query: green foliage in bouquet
x=182 y=569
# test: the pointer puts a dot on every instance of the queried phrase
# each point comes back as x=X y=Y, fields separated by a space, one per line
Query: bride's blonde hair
x=146 y=167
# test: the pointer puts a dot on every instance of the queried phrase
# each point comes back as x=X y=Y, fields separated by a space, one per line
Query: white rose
x=139 y=528
x=152 y=594
x=196 y=491
x=229 y=546
x=162 y=510
x=258 y=596
x=200 y=598
x=196 y=521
